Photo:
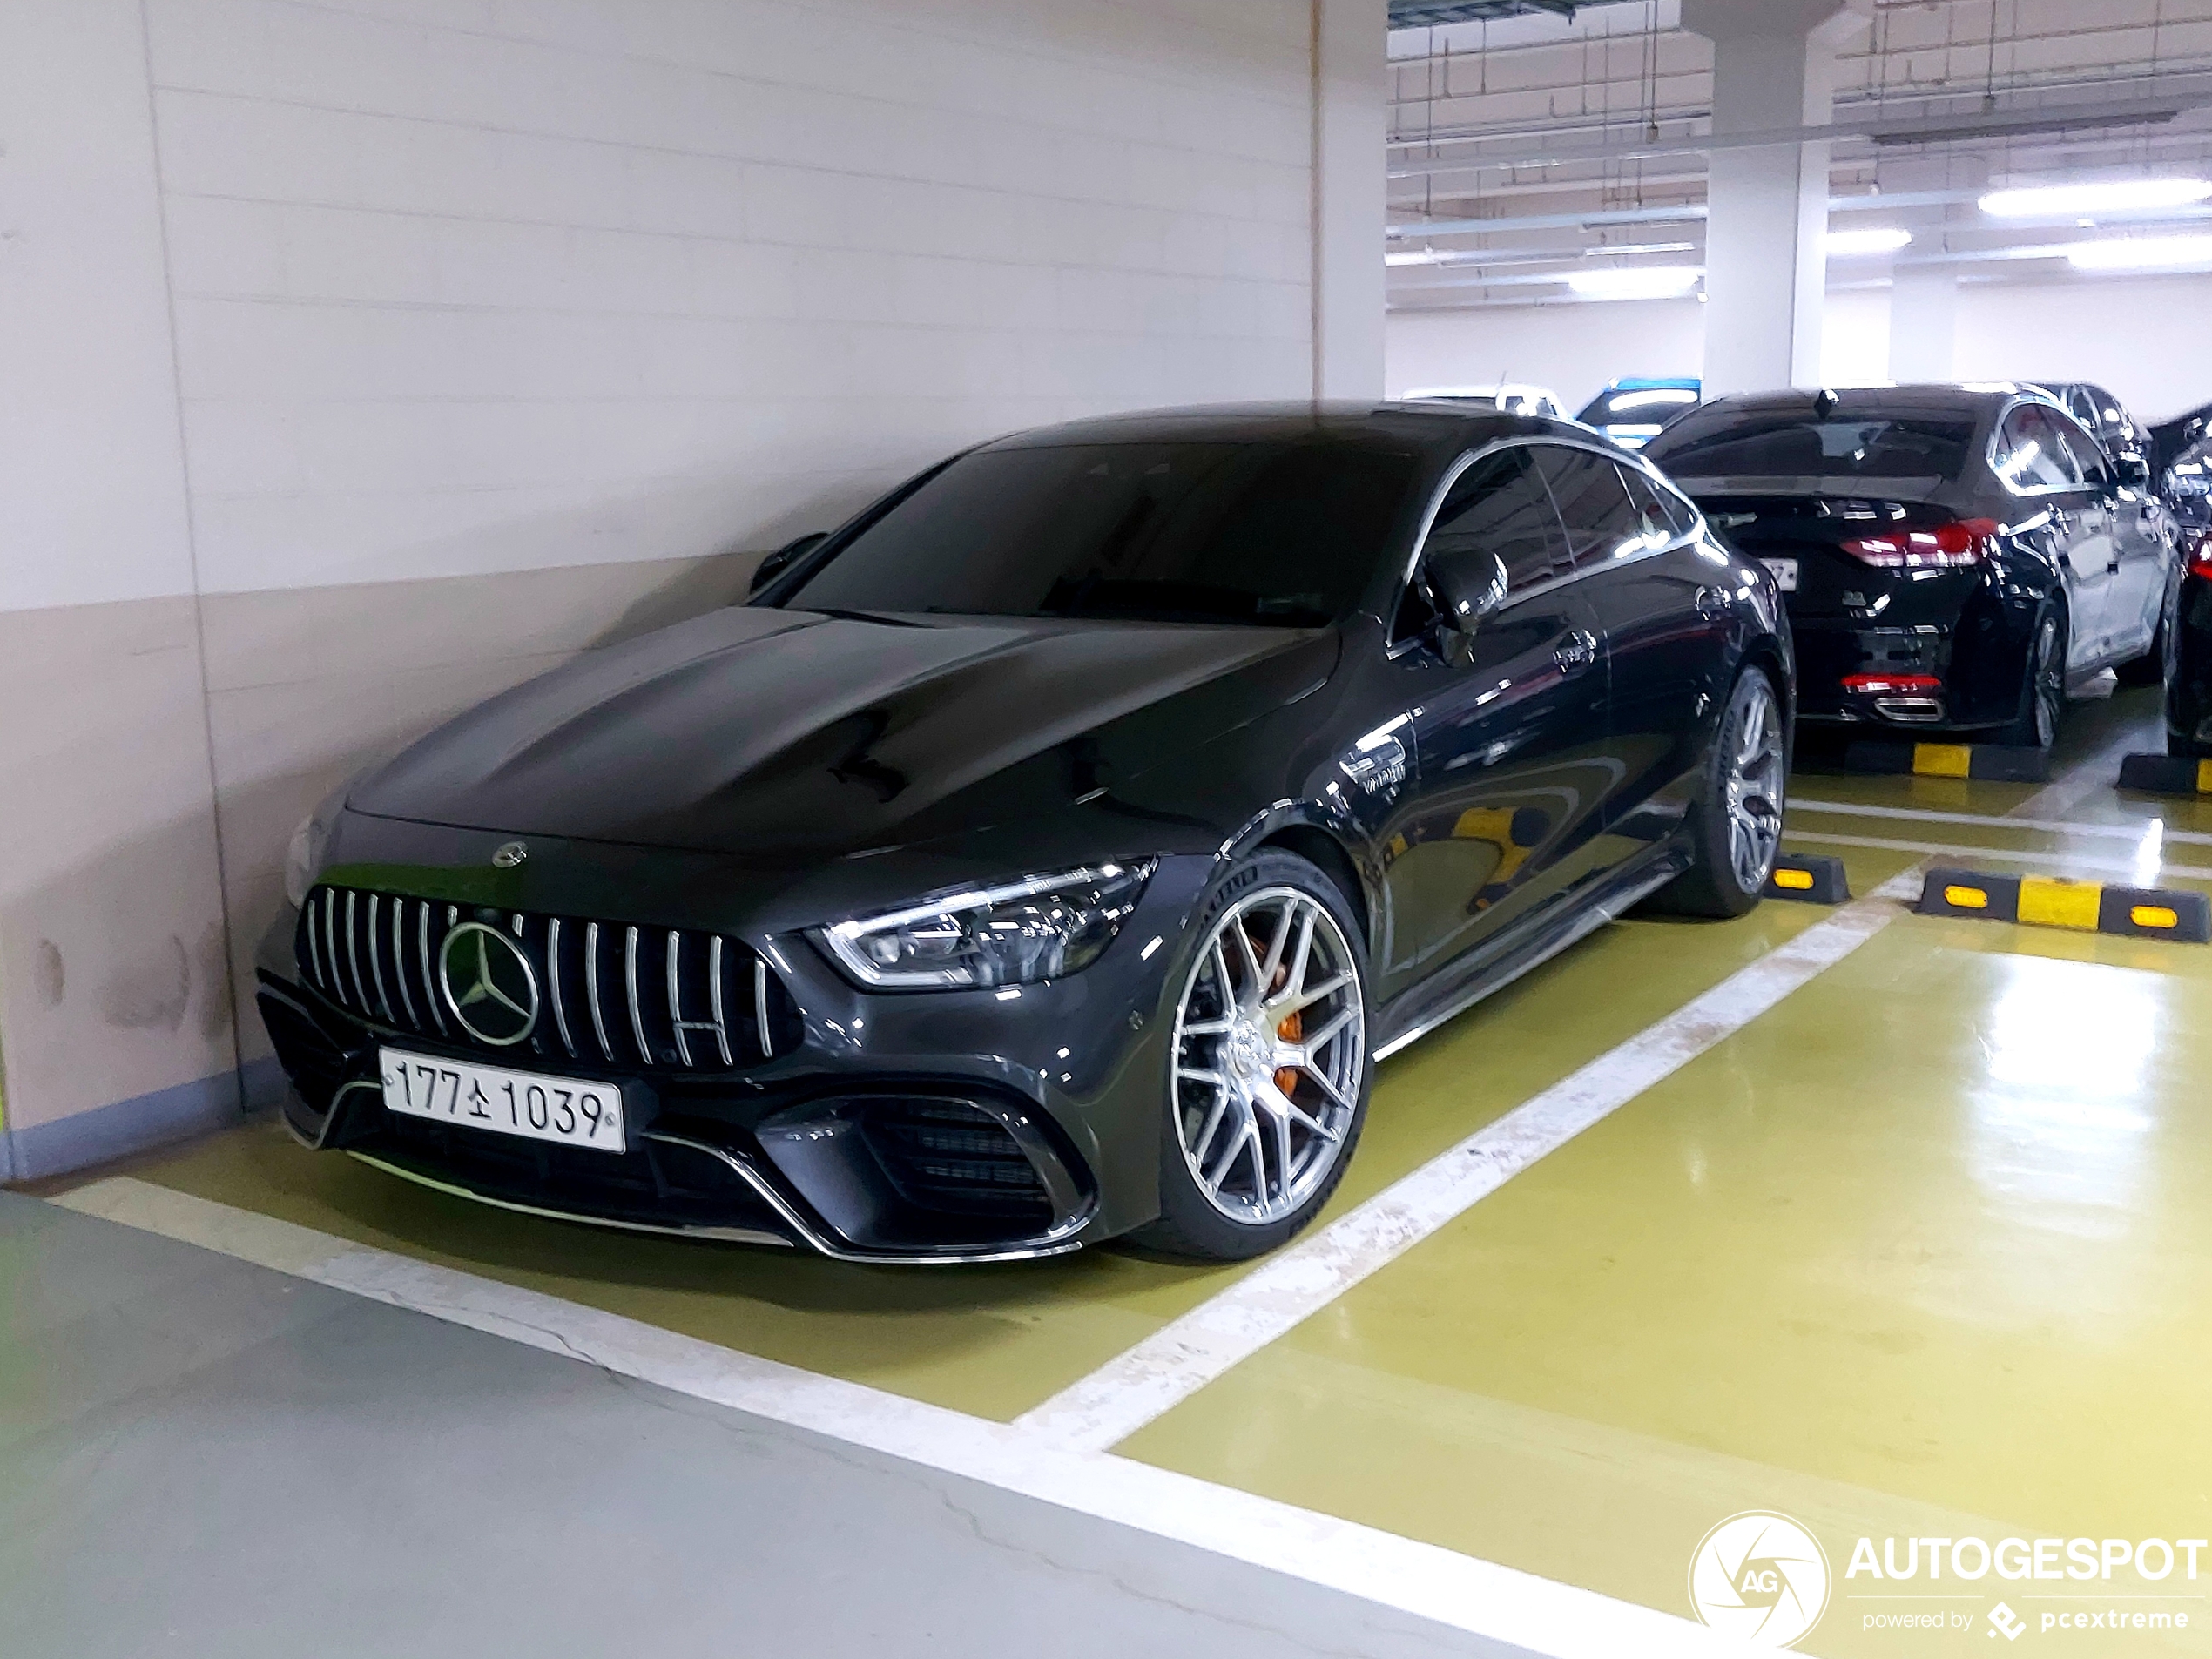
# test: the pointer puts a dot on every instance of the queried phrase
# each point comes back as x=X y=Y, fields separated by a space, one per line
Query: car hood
x=788 y=733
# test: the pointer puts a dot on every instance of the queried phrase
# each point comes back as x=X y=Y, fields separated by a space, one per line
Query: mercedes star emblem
x=488 y=984
x=509 y=855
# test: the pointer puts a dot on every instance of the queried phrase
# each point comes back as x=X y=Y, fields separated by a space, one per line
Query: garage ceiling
x=1529 y=138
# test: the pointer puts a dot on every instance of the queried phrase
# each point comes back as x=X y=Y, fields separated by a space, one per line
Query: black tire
x=1714 y=884
x=2042 y=705
x=2149 y=669
x=1194 y=1224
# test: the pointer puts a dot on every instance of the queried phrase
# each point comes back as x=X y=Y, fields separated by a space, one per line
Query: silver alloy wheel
x=2048 y=683
x=1753 y=788
x=1270 y=1048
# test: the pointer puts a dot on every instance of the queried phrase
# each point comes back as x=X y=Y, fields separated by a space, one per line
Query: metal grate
x=610 y=993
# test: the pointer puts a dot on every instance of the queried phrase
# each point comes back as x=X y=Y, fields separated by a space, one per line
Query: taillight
x=2198 y=546
x=1938 y=547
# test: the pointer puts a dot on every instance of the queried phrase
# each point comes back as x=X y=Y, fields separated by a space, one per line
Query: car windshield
x=1285 y=534
x=1801 y=446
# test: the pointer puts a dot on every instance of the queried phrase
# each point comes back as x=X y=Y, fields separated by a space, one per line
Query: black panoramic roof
x=1417 y=427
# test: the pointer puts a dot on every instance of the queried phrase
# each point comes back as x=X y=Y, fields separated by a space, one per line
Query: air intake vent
x=608 y=993
x=948 y=1156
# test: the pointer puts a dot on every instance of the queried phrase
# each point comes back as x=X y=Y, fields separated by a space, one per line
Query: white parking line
x=2135 y=832
x=2052 y=861
x=1160 y=1372
x=1512 y=1615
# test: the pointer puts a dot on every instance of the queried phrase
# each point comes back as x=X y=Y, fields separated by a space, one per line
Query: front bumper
x=972 y=1126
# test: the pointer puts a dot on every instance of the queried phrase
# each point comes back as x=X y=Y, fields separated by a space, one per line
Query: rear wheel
x=1736 y=822
x=1268 y=1064
x=2042 y=687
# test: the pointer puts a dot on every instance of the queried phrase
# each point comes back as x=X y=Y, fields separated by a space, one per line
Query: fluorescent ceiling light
x=1415 y=256
x=2112 y=196
x=1635 y=281
x=1885 y=238
x=2142 y=254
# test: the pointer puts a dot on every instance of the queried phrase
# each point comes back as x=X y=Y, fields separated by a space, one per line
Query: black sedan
x=2188 y=663
x=1049 y=853
x=1952 y=558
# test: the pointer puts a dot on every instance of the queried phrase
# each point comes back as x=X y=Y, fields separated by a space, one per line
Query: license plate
x=1784 y=572
x=570 y=1110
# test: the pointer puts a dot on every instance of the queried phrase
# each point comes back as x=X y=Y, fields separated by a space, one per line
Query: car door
x=2133 y=547
x=2031 y=458
x=1508 y=733
x=1664 y=608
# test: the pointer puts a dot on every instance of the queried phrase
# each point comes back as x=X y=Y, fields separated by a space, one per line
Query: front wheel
x=1736 y=821
x=1268 y=1066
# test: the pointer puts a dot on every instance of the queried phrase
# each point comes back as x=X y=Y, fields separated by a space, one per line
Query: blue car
x=1631 y=410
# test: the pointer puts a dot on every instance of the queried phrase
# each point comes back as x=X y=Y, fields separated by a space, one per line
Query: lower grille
x=947 y=1156
x=608 y=993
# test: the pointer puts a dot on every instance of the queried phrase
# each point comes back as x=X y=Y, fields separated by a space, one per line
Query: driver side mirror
x=2133 y=470
x=1468 y=585
x=781 y=560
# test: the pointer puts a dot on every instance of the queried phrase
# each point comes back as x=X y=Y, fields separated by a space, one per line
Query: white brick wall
x=477 y=286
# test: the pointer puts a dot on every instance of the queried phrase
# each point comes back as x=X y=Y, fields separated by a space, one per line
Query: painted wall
x=380 y=357
x=2133 y=334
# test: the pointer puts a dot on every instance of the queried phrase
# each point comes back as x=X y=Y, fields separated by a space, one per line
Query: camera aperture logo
x=1761 y=1578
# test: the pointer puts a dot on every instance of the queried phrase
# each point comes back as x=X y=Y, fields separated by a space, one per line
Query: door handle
x=1576 y=652
x=1713 y=602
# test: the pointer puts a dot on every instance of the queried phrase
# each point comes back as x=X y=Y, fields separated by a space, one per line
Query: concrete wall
x=374 y=359
x=2131 y=334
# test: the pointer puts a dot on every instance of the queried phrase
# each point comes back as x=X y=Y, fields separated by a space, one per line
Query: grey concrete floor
x=201 y=1457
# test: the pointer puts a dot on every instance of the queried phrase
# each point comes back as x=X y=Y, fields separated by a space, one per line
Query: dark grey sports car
x=1049 y=853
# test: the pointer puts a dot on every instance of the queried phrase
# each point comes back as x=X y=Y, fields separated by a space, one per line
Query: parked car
x=1511 y=397
x=2188 y=658
x=1631 y=412
x=1952 y=558
x=2171 y=440
x=1049 y=853
x=2107 y=419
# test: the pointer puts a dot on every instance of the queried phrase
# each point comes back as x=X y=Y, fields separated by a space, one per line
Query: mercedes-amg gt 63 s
x=1953 y=557
x=1051 y=852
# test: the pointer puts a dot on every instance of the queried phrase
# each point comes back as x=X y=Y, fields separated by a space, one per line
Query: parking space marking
x=2084 y=861
x=1160 y=1372
x=1512 y=1615
x=2057 y=826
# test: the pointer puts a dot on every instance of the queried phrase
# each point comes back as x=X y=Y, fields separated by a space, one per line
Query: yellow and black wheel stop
x=1986 y=762
x=1808 y=877
x=2166 y=775
x=2085 y=906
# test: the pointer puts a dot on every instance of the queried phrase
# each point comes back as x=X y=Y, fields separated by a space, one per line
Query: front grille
x=945 y=1154
x=610 y=993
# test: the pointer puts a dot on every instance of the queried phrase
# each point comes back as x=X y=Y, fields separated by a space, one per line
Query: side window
x=2030 y=453
x=1600 y=519
x=2087 y=454
x=1499 y=503
x=1664 y=515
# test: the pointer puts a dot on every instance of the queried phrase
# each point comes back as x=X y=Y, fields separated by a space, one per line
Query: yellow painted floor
x=1925 y=1250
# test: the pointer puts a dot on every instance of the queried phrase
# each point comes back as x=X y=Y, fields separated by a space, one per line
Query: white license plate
x=1784 y=572
x=571 y=1110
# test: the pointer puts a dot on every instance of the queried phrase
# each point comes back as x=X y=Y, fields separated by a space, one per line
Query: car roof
x=1933 y=398
x=1421 y=427
x=1656 y=383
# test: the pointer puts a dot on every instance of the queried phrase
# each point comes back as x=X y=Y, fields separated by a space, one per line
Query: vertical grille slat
x=399 y=961
x=429 y=978
x=553 y=985
x=675 y=1007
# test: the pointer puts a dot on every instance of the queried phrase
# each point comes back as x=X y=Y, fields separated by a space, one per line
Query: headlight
x=1039 y=927
x=304 y=857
